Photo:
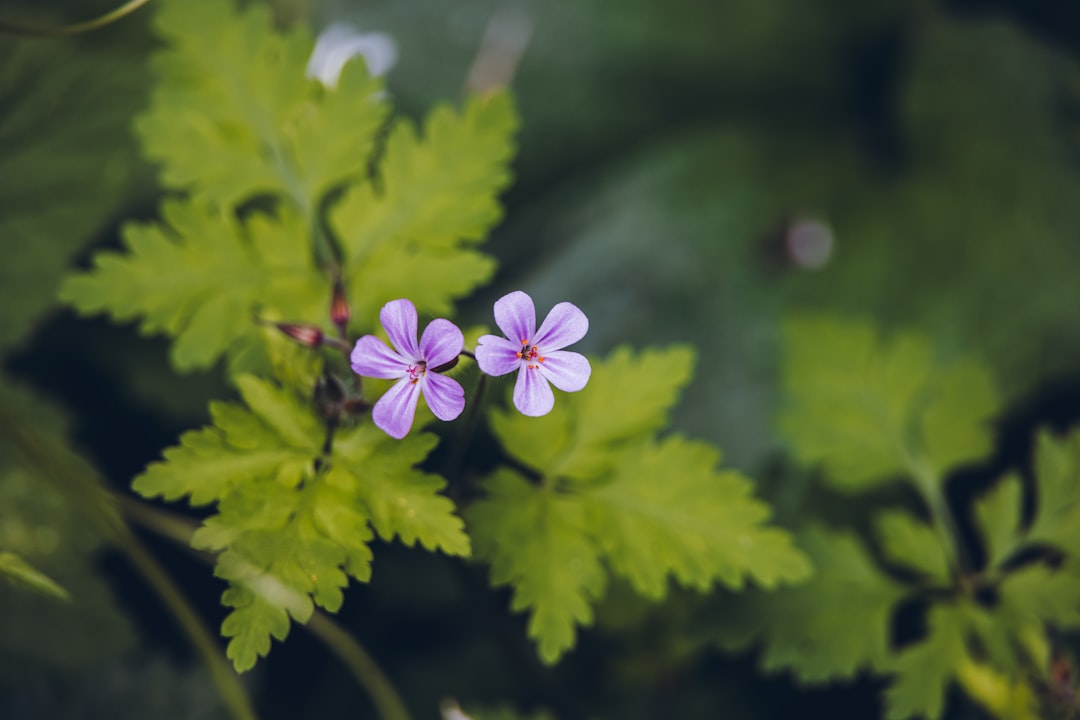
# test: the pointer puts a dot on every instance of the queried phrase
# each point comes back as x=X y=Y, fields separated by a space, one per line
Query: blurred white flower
x=339 y=43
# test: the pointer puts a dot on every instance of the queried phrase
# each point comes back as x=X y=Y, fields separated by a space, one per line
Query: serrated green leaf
x=17 y=570
x=870 y=410
x=291 y=531
x=406 y=235
x=1057 y=472
x=913 y=544
x=668 y=511
x=830 y=627
x=234 y=114
x=1040 y=594
x=402 y=504
x=629 y=396
x=203 y=278
x=537 y=541
x=997 y=514
x=925 y=670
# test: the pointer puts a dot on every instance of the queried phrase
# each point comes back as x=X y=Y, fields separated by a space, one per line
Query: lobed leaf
x=629 y=397
x=407 y=234
x=997 y=514
x=537 y=541
x=912 y=544
x=291 y=531
x=650 y=509
x=869 y=410
x=234 y=115
x=203 y=277
x=828 y=628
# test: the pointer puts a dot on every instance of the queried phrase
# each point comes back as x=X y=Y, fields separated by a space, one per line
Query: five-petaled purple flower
x=537 y=355
x=412 y=365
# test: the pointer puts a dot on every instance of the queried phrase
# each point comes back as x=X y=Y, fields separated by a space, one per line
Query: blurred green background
x=688 y=171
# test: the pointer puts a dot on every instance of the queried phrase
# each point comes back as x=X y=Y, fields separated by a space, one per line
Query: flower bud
x=339 y=308
x=306 y=335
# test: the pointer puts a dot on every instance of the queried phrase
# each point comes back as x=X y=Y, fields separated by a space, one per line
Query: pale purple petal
x=568 y=371
x=496 y=355
x=563 y=326
x=371 y=358
x=444 y=395
x=396 y=409
x=516 y=316
x=441 y=343
x=399 y=320
x=532 y=394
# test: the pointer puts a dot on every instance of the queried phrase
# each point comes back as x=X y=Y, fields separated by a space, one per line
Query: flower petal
x=396 y=409
x=532 y=394
x=371 y=358
x=568 y=371
x=441 y=343
x=399 y=319
x=563 y=326
x=496 y=355
x=516 y=316
x=444 y=396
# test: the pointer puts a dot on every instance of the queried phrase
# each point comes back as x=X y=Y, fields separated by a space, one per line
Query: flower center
x=530 y=354
x=415 y=371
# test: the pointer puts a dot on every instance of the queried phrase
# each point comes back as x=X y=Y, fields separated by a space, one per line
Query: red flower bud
x=339 y=308
x=307 y=335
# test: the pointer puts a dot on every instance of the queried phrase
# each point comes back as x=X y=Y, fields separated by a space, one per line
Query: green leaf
x=234 y=115
x=408 y=234
x=869 y=410
x=202 y=277
x=291 y=531
x=997 y=514
x=914 y=545
x=17 y=570
x=925 y=670
x=1057 y=472
x=537 y=541
x=1040 y=594
x=581 y=439
x=828 y=628
x=668 y=511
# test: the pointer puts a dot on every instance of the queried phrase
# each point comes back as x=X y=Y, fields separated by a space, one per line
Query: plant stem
x=363 y=668
x=929 y=486
x=74 y=28
x=221 y=673
x=388 y=703
x=455 y=466
x=80 y=482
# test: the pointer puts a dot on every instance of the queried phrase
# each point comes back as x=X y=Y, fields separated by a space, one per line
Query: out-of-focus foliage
x=986 y=629
x=609 y=491
x=293 y=521
x=20 y=572
x=54 y=517
x=62 y=173
x=869 y=411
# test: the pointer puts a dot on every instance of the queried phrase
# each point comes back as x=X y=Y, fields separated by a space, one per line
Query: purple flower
x=537 y=355
x=412 y=366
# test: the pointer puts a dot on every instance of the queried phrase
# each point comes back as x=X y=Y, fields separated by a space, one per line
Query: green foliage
x=408 y=232
x=611 y=492
x=831 y=627
x=203 y=277
x=233 y=114
x=17 y=570
x=869 y=410
x=293 y=523
x=234 y=118
x=54 y=520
